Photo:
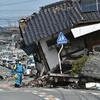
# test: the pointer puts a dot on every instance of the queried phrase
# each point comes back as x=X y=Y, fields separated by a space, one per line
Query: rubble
x=90 y=72
x=92 y=66
x=40 y=82
x=5 y=73
x=55 y=79
x=66 y=67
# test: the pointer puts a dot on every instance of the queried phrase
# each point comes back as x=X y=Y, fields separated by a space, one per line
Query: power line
x=15 y=19
x=1 y=17
x=11 y=18
x=17 y=13
x=7 y=20
x=19 y=10
x=8 y=17
x=17 y=3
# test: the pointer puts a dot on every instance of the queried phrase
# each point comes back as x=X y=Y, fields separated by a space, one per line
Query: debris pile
x=66 y=67
x=40 y=82
x=92 y=66
x=88 y=69
x=5 y=73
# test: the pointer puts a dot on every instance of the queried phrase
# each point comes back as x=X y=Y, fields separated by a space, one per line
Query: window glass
x=88 y=5
x=99 y=4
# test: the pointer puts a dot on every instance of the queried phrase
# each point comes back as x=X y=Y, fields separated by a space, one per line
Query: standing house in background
x=40 y=30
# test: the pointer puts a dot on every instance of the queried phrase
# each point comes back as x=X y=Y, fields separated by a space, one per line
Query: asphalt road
x=48 y=94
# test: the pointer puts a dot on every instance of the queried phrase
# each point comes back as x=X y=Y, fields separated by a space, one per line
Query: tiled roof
x=91 y=16
x=51 y=19
x=54 y=18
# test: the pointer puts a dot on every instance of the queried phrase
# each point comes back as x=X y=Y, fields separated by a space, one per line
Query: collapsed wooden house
x=40 y=30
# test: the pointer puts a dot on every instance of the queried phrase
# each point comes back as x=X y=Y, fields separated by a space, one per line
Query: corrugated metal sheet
x=54 y=18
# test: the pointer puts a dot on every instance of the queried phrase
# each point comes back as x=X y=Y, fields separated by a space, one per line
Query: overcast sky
x=12 y=10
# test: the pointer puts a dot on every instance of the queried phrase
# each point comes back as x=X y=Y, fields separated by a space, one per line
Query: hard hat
x=19 y=62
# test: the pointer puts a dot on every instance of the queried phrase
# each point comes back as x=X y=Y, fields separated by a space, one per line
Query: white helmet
x=19 y=62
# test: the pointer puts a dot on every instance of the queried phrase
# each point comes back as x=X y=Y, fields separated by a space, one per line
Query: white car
x=30 y=70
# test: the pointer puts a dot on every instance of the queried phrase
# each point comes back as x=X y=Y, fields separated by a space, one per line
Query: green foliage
x=78 y=64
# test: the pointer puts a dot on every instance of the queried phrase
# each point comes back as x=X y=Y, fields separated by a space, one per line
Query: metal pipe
x=60 y=58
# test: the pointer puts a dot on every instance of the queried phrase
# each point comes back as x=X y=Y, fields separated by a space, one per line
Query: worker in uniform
x=18 y=68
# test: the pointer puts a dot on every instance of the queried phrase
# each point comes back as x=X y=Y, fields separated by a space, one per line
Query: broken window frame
x=89 y=5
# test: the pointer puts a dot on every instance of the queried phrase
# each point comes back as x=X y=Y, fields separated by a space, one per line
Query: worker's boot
x=17 y=86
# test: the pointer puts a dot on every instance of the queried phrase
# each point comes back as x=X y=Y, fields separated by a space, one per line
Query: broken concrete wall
x=50 y=54
x=92 y=66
